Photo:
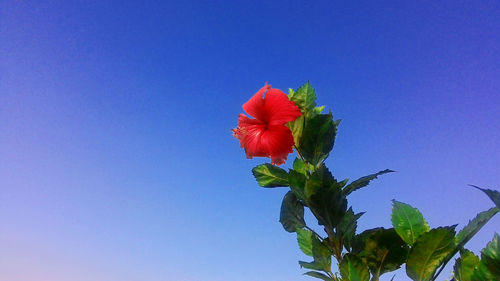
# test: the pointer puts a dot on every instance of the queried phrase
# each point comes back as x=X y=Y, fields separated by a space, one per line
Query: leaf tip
x=475 y=186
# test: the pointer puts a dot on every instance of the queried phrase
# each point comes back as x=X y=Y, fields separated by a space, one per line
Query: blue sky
x=116 y=155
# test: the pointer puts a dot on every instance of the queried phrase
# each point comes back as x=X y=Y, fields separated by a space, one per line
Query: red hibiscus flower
x=267 y=135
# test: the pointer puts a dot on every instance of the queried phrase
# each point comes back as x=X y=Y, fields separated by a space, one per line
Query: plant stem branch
x=314 y=232
x=330 y=274
x=298 y=153
x=337 y=251
x=439 y=271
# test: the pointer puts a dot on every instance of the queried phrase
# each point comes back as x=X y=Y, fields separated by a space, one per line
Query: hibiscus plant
x=282 y=123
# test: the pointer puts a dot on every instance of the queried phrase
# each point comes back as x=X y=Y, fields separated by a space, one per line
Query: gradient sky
x=116 y=156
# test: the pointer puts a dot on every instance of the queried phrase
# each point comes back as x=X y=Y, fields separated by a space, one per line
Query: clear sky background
x=117 y=161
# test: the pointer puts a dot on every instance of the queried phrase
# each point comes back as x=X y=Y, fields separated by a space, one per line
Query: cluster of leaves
x=371 y=253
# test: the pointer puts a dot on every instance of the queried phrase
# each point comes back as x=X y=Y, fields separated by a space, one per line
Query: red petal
x=279 y=109
x=279 y=142
x=265 y=141
x=255 y=105
x=243 y=123
x=249 y=130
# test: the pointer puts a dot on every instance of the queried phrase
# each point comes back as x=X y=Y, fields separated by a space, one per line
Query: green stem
x=330 y=274
x=439 y=271
x=337 y=251
x=298 y=153
x=314 y=232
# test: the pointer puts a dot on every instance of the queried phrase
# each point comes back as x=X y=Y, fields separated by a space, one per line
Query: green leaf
x=300 y=166
x=492 y=194
x=310 y=265
x=319 y=178
x=408 y=222
x=428 y=253
x=347 y=227
x=363 y=181
x=359 y=241
x=483 y=273
x=292 y=213
x=490 y=256
x=352 y=268
x=384 y=251
x=297 y=127
x=468 y=232
x=318 y=275
x=304 y=238
x=474 y=226
x=297 y=183
x=321 y=254
x=268 y=175
x=304 y=98
x=318 y=137
x=343 y=183
x=319 y=109
x=465 y=266
x=325 y=198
